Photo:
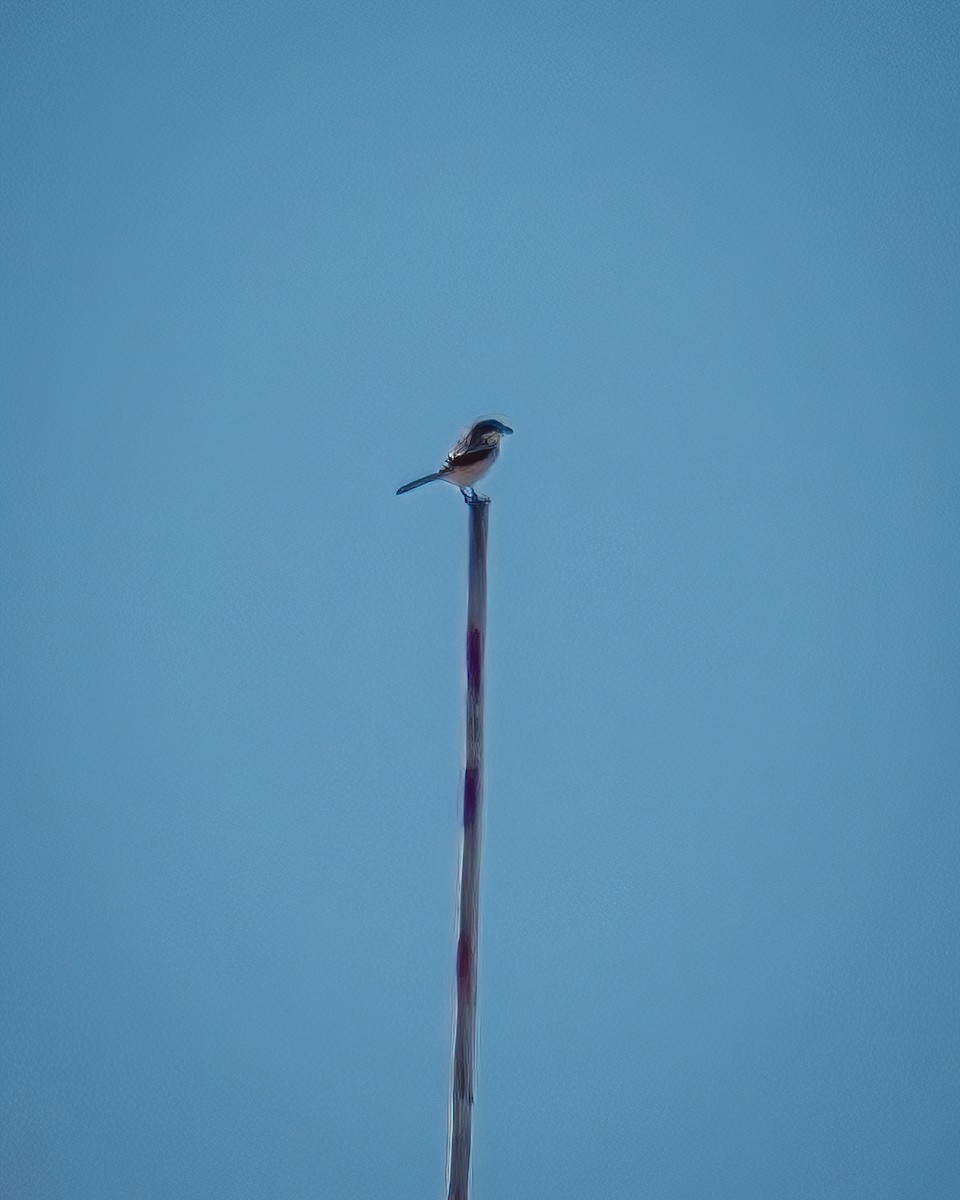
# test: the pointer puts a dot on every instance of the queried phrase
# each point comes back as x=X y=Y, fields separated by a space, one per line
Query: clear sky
x=260 y=265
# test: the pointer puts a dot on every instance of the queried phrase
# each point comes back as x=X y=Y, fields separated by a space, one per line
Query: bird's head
x=489 y=430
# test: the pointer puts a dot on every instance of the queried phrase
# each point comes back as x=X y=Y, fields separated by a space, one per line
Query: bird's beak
x=506 y=429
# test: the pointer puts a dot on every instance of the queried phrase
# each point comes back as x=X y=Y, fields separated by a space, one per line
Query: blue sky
x=261 y=264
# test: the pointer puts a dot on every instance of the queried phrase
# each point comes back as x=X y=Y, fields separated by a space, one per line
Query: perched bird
x=471 y=457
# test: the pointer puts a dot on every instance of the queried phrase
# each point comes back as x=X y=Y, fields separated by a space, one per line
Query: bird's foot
x=473 y=497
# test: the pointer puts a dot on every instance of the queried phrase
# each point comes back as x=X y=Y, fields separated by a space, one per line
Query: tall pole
x=465 y=1044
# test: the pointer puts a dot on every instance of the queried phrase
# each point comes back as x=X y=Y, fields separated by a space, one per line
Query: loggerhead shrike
x=471 y=458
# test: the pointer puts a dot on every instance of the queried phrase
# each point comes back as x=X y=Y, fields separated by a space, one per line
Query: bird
x=472 y=457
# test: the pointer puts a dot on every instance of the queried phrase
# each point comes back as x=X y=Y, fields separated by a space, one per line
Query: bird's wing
x=467 y=458
x=465 y=442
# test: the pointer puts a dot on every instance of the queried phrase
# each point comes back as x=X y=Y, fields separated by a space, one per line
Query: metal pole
x=465 y=1045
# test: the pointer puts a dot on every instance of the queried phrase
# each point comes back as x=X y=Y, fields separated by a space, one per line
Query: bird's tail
x=408 y=487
